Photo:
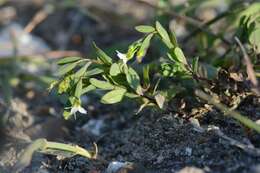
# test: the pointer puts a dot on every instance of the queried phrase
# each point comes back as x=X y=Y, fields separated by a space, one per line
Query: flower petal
x=122 y=56
x=73 y=110
x=82 y=110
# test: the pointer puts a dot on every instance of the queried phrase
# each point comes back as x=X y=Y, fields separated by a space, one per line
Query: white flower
x=77 y=108
x=122 y=56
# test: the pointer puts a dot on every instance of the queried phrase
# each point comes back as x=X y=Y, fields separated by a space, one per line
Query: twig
x=50 y=54
x=249 y=67
x=242 y=119
x=172 y=13
x=189 y=20
x=206 y=25
x=250 y=149
x=38 y=18
x=233 y=6
x=60 y=54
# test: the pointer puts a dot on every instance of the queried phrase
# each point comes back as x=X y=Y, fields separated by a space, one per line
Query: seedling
x=53 y=148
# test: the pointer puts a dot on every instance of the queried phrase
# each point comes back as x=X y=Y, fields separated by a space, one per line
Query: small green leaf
x=64 y=85
x=143 y=49
x=131 y=95
x=146 y=76
x=66 y=68
x=164 y=35
x=132 y=49
x=101 y=84
x=174 y=39
x=94 y=71
x=78 y=90
x=254 y=39
x=114 y=69
x=103 y=56
x=133 y=80
x=113 y=96
x=208 y=71
x=66 y=115
x=179 y=55
x=68 y=60
x=195 y=64
x=145 y=29
x=82 y=70
x=171 y=92
x=88 y=89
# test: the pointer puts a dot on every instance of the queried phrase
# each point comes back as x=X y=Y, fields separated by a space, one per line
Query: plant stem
x=236 y=115
x=73 y=149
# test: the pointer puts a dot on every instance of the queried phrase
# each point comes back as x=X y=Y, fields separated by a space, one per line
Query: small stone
x=125 y=167
x=94 y=127
x=255 y=168
x=188 y=151
x=191 y=170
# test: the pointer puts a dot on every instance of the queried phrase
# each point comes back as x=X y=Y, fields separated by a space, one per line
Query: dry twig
x=194 y=22
x=248 y=148
x=38 y=18
x=249 y=67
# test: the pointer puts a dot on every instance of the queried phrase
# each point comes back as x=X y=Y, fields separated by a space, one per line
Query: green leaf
x=131 y=95
x=78 y=90
x=94 y=71
x=179 y=55
x=66 y=68
x=66 y=115
x=68 y=60
x=164 y=35
x=101 y=84
x=103 y=56
x=174 y=39
x=195 y=64
x=113 y=96
x=208 y=71
x=82 y=70
x=254 y=39
x=145 y=29
x=88 y=89
x=171 y=92
x=146 y=76
x=132 y=49
x=133 y=80
x=64 y=85
x=114 y=69
x=144 y=46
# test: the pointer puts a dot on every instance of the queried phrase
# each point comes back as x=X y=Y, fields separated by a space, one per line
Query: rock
x=191 y=170
x=94 y=127
x=26 y=43
x=188 y=151
x=255 y=168
x=125 y=167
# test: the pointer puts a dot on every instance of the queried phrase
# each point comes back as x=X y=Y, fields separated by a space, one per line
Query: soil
x=161 y=142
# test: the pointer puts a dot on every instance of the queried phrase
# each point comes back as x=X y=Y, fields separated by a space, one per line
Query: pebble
x=191 y=170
